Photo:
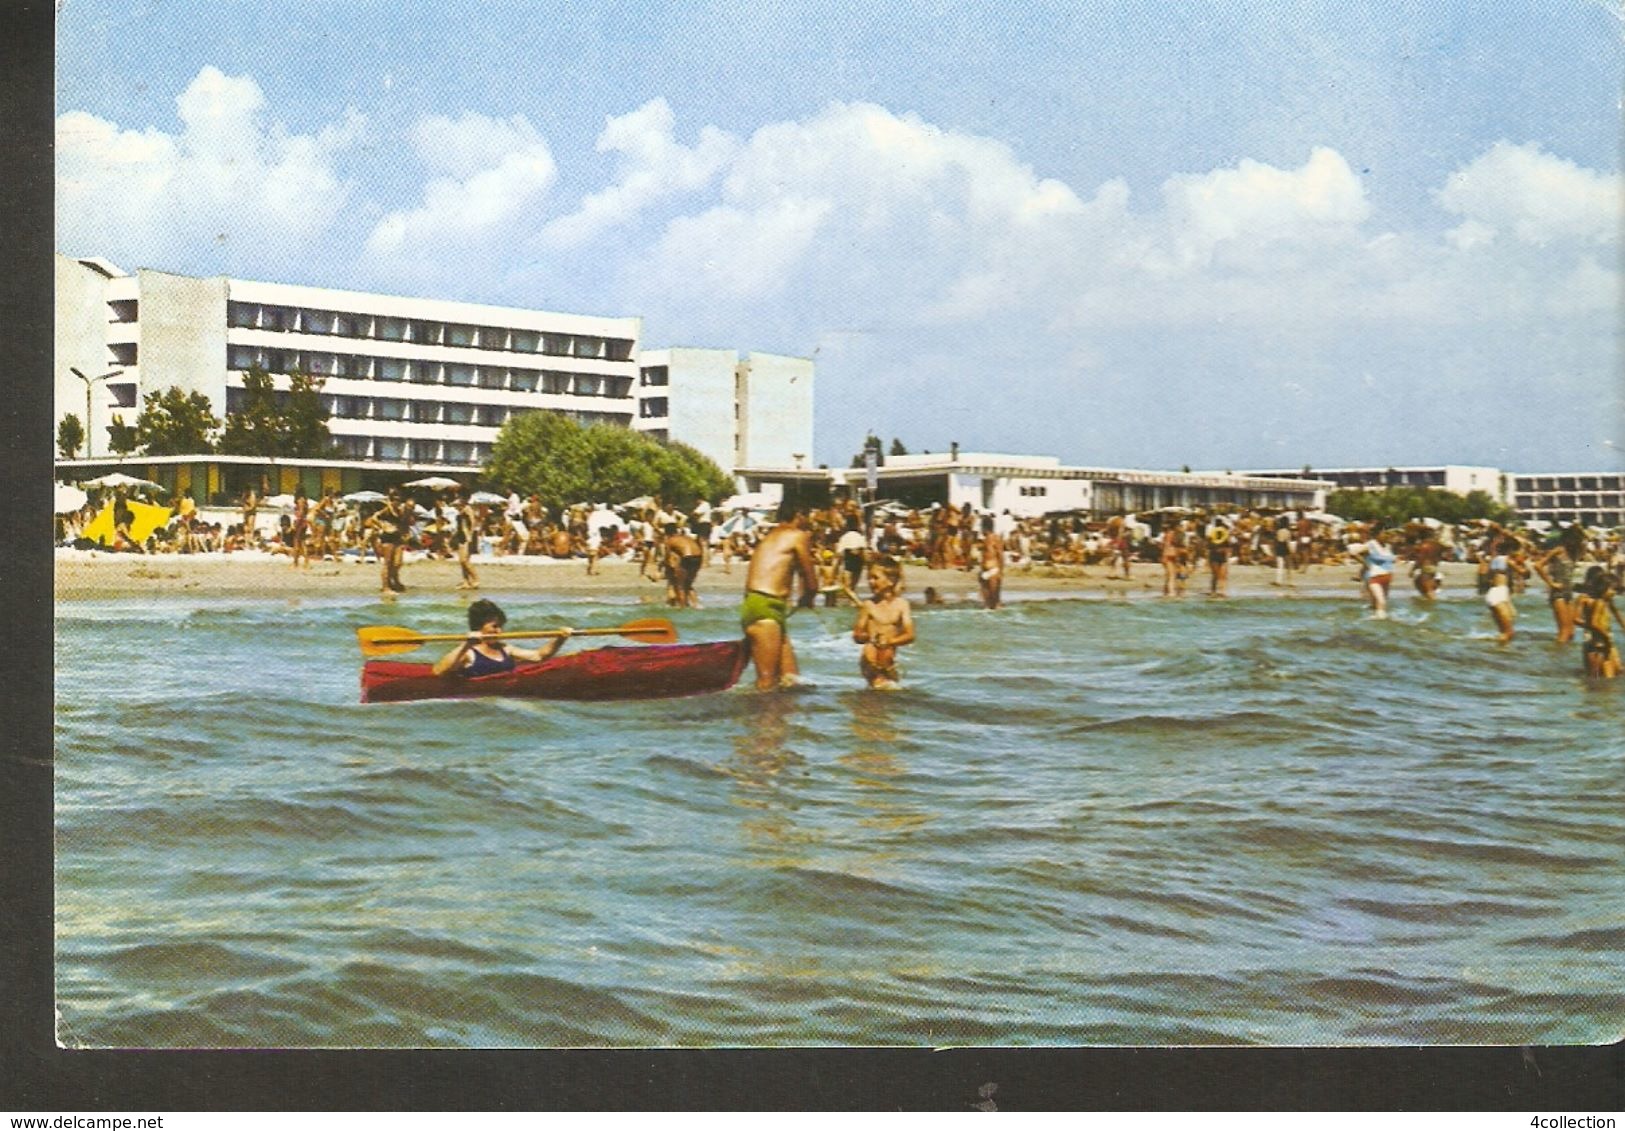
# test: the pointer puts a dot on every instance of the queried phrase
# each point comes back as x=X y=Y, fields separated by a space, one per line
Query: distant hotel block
x=416 y=384
x=1594 y=498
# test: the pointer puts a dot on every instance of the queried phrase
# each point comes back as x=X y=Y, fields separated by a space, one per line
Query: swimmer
x=884 y=625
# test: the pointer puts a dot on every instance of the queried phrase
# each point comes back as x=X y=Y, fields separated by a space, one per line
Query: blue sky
x=1123 y=233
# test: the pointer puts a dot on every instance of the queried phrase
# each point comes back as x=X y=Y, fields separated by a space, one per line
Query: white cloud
x=227 y=179
x=1537 y=197
x=653 y=166
x=1254 y=204
x=496 y=174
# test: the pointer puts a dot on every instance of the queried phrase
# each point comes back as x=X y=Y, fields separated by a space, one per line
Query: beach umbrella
x=742 y=523
x=68 y=498
x=364 y=497
x=145 y=519
x=119 y=479
x=489 y=498
x=434 y=483
x=639 y=502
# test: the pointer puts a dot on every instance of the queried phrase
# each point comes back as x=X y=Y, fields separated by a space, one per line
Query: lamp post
x=90 y=433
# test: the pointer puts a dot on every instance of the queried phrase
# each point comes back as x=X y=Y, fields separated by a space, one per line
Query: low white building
x=1026 y=485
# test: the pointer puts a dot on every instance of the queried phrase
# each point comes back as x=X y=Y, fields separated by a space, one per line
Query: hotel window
x=459 y=413
x=276 y=318
x=348 y=325
x=492 y=338
x=349 y=365
x=425 y=373
x=355 y=447
x=460 y=375
x=490 y=377
x=618 y=387
x=391 y=369
x=458 y=451
x=524 y=380
x=320 y=364
x=124 y=353
x=587 y=385
x=242 y=315
x=317 y=322
x=589 y=347
x=526 y=341
x=389 y=408
x=490 y=415
x=459 y=335
x=276 y=361
x=426 y=412
x=1588 y=482
x=653 y=408
x=556 y=345
x=124 y=310
x=655 y=375
x=555 y=382
x=427 y=333
x=390 y=448
x=480 y=454
x=618 y=349
x=392 y=329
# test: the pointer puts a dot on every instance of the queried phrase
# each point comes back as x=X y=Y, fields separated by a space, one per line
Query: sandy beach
x=93 y=575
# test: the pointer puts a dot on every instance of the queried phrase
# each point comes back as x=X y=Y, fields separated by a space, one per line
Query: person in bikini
x=884 y=625
x=1596 y=612
x=781 y=557
x=483 y=654
x=1556 y=568
x=1425 y=558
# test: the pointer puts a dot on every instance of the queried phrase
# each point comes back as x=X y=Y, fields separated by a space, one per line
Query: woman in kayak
x=482 y=655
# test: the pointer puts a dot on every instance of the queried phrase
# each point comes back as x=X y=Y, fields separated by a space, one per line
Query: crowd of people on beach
x=846 y=541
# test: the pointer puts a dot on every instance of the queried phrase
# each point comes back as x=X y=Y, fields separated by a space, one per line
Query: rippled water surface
x=1082 y=822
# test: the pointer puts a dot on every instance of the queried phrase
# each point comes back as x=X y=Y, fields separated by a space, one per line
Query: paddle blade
x=652 y=631
x=386 y=640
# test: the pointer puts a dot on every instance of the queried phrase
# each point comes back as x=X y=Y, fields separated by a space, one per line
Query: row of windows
x=420 y=372
x=1571 y=483
x=1034 y=492
x=396 y=449
x=428 y=412
x=1567 y=502
x=289 y=319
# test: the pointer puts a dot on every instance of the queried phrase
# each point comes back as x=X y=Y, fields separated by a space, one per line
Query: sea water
x=1080 y=822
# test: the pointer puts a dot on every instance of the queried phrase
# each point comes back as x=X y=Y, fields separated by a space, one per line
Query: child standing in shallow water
x=884 y=625
x=1595 y=612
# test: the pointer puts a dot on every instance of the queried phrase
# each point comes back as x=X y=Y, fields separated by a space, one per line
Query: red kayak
x=649 y=671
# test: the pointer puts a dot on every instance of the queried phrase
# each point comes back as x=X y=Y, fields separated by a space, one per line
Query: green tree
x=303 y=418
x=121 y=437
x=1395 y=506
x=897 y=448
x=550 y=455
x=255 y=428
x=176 y=423
x=70 y=434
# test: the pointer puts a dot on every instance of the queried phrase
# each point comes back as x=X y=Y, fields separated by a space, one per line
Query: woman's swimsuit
x=480 y=664
x=1561 y=571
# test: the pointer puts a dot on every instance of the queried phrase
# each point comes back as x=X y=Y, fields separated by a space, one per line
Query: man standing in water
x=992 y=576
x=782 y=556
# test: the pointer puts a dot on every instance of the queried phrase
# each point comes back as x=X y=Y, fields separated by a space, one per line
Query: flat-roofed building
x=755 y=410
x=408 y=381
x=1026 y=485
x=1592 y=498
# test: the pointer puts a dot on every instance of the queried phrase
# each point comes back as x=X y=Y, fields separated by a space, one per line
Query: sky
x=1124 y=232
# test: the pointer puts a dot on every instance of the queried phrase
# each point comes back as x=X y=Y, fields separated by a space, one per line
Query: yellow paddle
x=386 y=640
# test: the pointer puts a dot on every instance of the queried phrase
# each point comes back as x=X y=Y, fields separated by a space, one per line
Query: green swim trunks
x=763 y=606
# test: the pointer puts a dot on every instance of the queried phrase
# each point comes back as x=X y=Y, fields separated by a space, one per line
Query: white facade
x=1592 y=498
x=756 y=411
x=1029 y=486
x=408 y=380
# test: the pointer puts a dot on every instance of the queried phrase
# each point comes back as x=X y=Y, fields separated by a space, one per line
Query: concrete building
x=409 y=381
x=756 y=411
x=1036 y=485
x=1459 y=479
x=1592 y=498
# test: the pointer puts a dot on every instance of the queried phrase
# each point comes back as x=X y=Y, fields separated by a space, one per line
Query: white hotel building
x=413 y=385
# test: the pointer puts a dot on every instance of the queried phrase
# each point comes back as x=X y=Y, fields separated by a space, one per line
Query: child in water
x=883 y=626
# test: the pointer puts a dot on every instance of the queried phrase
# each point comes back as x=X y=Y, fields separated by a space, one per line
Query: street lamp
x=90 y=433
